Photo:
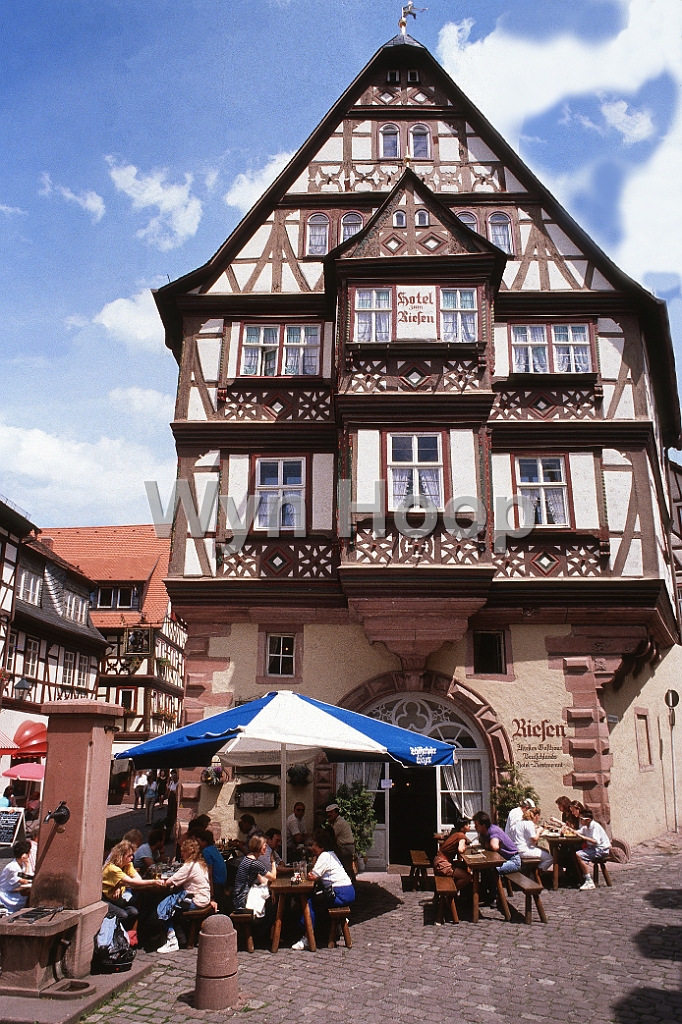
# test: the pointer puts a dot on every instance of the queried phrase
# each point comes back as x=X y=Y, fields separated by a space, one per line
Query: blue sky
x=136 y=134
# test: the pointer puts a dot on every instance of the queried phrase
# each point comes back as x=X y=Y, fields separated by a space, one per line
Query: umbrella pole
x=283 y=799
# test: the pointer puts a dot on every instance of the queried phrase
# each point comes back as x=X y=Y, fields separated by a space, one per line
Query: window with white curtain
x=351 y=223
x=415 y=467
x=390 y=142
x=459 y=318
x=280 y=485
x=571 y=348
x=529 y=348
x=420 y=142
x=318 y=235
x=373 y=314
x=260 y=351
x=469 y=219
x=543 y=482
x=500 y=232
x=301 y=350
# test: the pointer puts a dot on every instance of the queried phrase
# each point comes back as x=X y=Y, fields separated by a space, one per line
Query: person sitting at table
x=120 y=883
x=493 y=838
x=151 y=852
x=336 y=888
x=597 y=847
x=216 y=866
x=564 y=804
x=8 y=798
x=444 y=862
x=14 y=889
x=274 y=839
x=296 y=833
x=525 y=834
x=133 y=836
x=575 y=813
x=345 y=840
x=250 y=887
x=516 y=813
x=197 y=824
x=193 y=880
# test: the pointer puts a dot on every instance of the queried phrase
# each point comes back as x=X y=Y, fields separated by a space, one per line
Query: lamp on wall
x=22 y=688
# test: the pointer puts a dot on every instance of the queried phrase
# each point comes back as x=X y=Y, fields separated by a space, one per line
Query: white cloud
x=513 y=79
x=211 y=179
x=635 y=126
x=247 y=188
x=134 y=321
x=10 y=211
x=179 y=213
x=76 y=321
x=143 y=403
x=89 y=201
x=68 y=482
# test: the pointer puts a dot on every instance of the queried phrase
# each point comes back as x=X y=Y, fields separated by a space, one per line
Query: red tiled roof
x=53 y=556
x=119 y=554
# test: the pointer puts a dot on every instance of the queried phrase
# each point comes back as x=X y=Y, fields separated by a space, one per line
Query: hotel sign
x=416 y=313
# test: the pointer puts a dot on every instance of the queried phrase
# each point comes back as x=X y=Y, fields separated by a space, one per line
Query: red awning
x=31 y=739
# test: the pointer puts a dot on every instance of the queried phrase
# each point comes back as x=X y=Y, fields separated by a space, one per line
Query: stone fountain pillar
x=69 y=863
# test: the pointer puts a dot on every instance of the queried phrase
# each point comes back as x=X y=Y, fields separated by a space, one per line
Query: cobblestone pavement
x=613 y=955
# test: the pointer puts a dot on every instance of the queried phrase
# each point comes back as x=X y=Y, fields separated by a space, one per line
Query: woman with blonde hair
x=120 y=882
x=192 y=880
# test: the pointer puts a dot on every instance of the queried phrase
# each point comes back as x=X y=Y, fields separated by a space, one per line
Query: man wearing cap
x=516 y=814
x=345 y=843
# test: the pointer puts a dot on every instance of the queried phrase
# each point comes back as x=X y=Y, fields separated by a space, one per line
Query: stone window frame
x=278 y=682
x=644 y=766
x=506 y=677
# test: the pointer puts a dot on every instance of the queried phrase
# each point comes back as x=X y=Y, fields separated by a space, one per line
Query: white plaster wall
x=192 y=563
x=611 y=356
x=500 y=338
x=502 y=484
x=238 y=481
x=464 y=461
x=617 y=486
x=210 y=350
x=323 y=490
x=201 y=483
x=331 y=150
x=232 y=342
x=368 y=465
x=195 y=409
x=327 y=350
x=255 y=245
x=584 y=485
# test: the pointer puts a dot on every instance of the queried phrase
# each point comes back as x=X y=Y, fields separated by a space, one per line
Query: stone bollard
x=216 y=985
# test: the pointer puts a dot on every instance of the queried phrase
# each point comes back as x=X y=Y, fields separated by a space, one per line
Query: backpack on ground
x=113 y=954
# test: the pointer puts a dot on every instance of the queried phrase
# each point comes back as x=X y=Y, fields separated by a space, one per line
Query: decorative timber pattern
x=315 y=560
x=395 y=549
x=526 y=558
x=567 y=403
x=253 y=405
x=370 y=375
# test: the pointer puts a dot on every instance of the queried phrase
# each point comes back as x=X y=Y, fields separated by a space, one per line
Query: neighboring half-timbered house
x=436 y=414
x=143 y=666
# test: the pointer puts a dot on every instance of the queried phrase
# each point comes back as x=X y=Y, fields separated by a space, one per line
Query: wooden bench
x=193 y=920
x=242 y=919
x=419 y=869
x=339 y=916
x=530 y=888
x=446 y=893
x=604 y=870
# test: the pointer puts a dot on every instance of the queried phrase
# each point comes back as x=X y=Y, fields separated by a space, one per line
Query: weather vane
x=409 y=11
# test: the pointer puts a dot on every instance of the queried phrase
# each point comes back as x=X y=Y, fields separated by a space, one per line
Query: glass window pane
x=581 y=356
x=401 y=448
x=270 y=362
x=467 y=299
x=469 y=220
x=292 y=362
x=389 y=137
x=468 y=326
x=312 y=335
x=537 y=335
x=383 y=326
x=268 y=473
x=521 y=361
x=448 y=299
x=539 y=359
x=555 y=502
x=252 y=335
x=562 y=358
x=270 y=335
x=310 y=360
x=520 y=333
x=450 y=327
x=383 y=298
x=427 y=449
x=250 y=361
x=552 y=471
x=352 y=223
x=363 y=299
x=293 y=335
x=528 y=471
x=292 y=472
x=579 y=332
x=420 y=143
x=561 y=333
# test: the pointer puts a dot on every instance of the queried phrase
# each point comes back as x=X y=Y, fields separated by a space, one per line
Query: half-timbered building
x=436 y=415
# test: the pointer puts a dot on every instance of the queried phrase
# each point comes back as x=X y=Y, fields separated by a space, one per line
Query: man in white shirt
x=14 y=889
x=139 y=786
x=598 y=847
x=516 y=814
x=296 y=831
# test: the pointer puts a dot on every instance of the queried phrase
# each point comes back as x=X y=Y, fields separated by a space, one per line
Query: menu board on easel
x=11 y=825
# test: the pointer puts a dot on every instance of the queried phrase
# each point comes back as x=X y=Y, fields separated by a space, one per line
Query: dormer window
x=351 y=223
x=412 y=77
x=393 y=77
x=30 y=587
x=390 y=145
x=500 y=232
x=421 y=219
x=124 y=596
x=399 y=219
x=420 y=142
x=318 y=235
x=75 y=607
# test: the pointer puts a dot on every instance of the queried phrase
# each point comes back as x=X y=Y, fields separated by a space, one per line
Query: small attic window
x=390 y=147
x=421 y=219
x=399 y=219
x=468 y=219
x=393 y=77
x=412 y=77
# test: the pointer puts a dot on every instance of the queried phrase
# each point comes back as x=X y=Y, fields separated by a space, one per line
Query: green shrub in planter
x=356 y=805
x=513 y=788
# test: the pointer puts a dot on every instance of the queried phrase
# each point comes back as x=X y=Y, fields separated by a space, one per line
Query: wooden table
x=280 y=889
x=486 y=861
x=555 y=843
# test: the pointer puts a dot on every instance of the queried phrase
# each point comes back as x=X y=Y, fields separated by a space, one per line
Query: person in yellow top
x=120 y=882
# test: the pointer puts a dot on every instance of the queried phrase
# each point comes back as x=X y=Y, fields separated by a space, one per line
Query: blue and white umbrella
x=281 y=725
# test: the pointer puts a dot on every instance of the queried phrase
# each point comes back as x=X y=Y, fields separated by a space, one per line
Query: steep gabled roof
x=402 y=51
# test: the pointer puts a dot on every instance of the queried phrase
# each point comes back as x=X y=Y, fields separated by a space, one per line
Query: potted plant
x=299 y=775
x=356 y=805
x=512 y=789
x=213 y=776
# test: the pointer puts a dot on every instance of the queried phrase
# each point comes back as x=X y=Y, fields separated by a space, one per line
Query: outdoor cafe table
x=555 y=844
x=279 y=890
x=486 y=861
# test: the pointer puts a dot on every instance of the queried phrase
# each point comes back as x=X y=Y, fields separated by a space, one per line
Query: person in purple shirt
x=494 y=838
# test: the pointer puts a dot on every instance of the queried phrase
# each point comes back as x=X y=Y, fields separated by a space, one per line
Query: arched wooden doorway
x=412 y=804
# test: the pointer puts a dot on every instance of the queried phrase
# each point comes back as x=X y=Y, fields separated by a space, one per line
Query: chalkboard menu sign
x=11 y=824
